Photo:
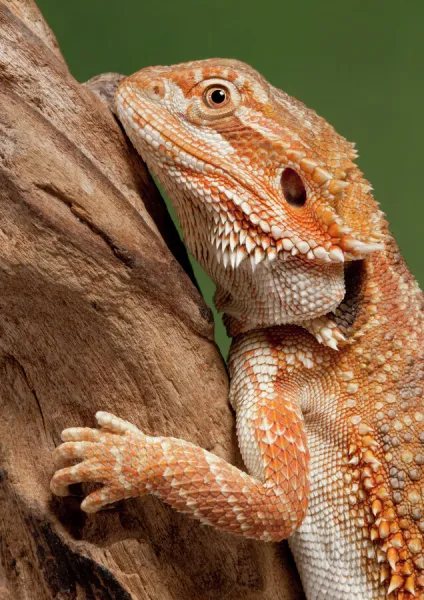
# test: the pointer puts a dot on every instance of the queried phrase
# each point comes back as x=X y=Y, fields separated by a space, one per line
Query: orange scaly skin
x=326 y=362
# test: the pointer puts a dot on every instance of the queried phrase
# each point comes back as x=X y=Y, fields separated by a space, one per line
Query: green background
x=357 y=63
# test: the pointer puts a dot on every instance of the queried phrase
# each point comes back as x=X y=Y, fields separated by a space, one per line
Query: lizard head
x=267 y=194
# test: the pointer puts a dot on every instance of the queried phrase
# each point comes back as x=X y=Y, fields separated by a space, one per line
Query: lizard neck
x=381 y=293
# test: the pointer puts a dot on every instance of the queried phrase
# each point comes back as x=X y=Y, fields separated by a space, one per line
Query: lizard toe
x=114 y=424
x=88 y=470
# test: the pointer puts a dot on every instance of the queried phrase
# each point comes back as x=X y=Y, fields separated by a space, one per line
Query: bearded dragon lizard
x=326 y=361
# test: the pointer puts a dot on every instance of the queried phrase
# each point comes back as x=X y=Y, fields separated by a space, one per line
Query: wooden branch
x=97 y=313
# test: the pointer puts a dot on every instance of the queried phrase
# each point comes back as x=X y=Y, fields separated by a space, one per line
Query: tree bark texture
x=98 y=310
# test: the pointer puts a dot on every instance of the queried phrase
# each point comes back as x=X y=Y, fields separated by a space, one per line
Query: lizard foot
x=110 y=455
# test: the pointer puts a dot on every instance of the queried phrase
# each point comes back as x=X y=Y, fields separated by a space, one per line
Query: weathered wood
x=97 y=313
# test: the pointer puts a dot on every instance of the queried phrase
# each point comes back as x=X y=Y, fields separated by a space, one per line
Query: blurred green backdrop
x=359 y=64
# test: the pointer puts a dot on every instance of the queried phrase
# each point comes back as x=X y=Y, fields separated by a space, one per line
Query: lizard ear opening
x=293 y=189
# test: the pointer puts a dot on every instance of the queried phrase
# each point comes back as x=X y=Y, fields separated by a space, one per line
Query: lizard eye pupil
x=218 y=96
x=293 y=188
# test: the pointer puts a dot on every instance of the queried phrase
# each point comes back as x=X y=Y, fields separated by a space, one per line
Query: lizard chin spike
x=241 y=254
x=361 y=249
x=325 y=330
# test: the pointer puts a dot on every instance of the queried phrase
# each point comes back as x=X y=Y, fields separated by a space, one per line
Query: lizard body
x=326 y=362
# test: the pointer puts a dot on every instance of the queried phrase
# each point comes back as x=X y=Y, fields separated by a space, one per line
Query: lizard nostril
x=155 y=89
x=293 y=188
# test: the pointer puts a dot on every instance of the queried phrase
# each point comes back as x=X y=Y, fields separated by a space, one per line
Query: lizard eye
x=213 y=100
x=293 y=188
x=216 y=96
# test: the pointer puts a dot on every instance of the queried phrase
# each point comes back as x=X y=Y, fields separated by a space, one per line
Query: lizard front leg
x=268 y=504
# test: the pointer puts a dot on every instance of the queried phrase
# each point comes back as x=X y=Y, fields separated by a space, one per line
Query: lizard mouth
x=239 y=231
